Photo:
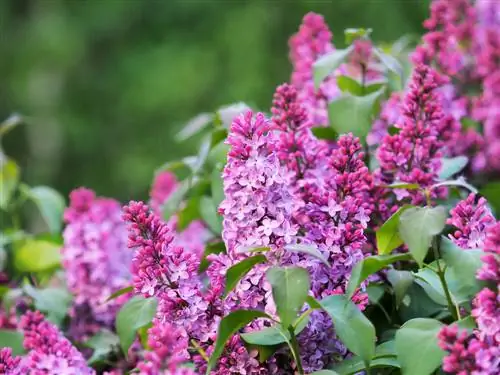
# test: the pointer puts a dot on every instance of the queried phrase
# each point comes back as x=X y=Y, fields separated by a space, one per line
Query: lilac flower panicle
x=168 y=350
x=194 y=236
x=157 y=264
x=471 y=220
x=48 y=350
x=258 y=199
x=312 y=41
x=96 y=260
x=9 y=364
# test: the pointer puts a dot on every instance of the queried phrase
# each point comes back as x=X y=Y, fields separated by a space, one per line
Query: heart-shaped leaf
x=136 y=313
x=422 y=334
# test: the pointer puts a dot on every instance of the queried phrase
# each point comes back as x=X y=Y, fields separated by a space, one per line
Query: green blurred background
x=105 y=84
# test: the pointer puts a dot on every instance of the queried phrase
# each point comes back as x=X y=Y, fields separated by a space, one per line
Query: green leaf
x=353 y=114
x=459 y=182
x=355 y=365
x=209 y=214
x=468 y=123
x=217 y=187
x=9 y=178
x=194 y=126
x=350 y=85
x=50 y=203
x=326 y=64
x=52 y=301
x=467 y=323
x=385 y=356
x=202 y=156
x=37 y=256
x=375 y=292
x=390 y=62
x=309 y=250
x=268 y=336
x=103 y=343
x=351 y=34
x=120 y=292
x=290 y=286
x=136 y=313
x=211 y=248
x=388 y=234
x=462 y=268
x=239 y=270
x=451 y=166
x=368 y=266
x=325 y=372
x=229 y=325
x=218 y=154
x=351 y=326
x=12 y=339
x=422 y=334
x=173 y=202
x=324 y=133
x=430 y=282
x=417 y=227
x=400 y=281
x=491 y=192
x=229 y=112
x=403 y=185
x=274 y=335
x=190 y=212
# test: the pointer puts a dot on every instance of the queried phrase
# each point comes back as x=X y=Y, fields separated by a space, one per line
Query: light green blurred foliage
x=104 y=85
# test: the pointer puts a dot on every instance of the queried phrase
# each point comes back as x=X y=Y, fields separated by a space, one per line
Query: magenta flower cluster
x=96 y=260
x=476 y=353
x=299 y=201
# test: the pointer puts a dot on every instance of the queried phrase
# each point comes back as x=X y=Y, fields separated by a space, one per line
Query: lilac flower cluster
x=477 y=353
x=168 y=351
x=413 y=154
x=312 y=41
x=259 y=202
x=192 y=238
x=168 y=272
x=471 y=220
x=96 y=260
x=48 y=350
x=463 y=43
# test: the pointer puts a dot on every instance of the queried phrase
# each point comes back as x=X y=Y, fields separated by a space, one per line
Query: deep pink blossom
x=96 y=260
x=471 y=220
x=48 y=350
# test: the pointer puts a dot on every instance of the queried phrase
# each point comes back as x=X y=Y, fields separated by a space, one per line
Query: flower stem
x=295 y=350
x=440 y=273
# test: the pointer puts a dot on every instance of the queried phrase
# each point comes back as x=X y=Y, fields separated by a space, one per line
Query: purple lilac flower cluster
x=477 y=353
x=96 y=260
x=413 y=155
x=259 y=202
x=463 y=43
x=49 y=352
x=195 y=235
x=169 y=273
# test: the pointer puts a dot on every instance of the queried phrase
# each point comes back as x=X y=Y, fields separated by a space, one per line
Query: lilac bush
x=336 y=232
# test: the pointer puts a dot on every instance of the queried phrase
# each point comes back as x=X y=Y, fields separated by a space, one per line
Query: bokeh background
x=105 y=84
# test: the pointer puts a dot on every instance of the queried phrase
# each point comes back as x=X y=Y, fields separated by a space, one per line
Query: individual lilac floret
x=471 y=220
x=96 y=259
x=49 y=352
x=258 y=200
x=9 y=364
x=312 y=41
x=168 y=349
x=157 y=265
